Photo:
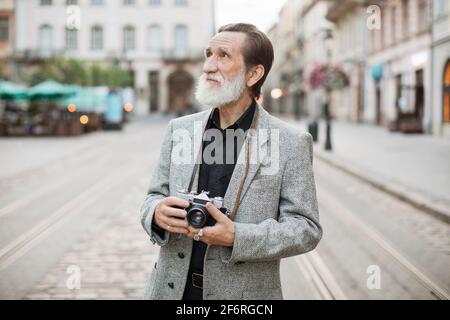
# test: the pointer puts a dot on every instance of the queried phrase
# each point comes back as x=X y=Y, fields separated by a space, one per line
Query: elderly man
x=270 y=203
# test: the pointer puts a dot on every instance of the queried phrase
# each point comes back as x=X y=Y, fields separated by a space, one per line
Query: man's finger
x=193 y=230
x=178 y=230
x=215 y=213
x=176 y=202
x=175 y=222
x=175 y=212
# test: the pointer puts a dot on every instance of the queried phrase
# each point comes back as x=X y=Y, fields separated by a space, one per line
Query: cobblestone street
x=114 y=257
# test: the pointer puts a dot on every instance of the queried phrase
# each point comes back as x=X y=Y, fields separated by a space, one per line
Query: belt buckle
x=197 y=278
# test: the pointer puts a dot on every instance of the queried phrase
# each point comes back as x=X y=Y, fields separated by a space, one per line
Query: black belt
x=197 y=280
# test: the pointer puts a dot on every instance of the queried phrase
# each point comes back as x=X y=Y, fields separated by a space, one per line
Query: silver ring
x=198 y=235
x=168 y=227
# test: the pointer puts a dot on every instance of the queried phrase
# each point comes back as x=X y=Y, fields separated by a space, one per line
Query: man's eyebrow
x=223 y=49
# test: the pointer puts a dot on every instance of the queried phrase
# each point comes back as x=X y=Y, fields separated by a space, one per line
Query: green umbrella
x=49 y=90
x=12 y=91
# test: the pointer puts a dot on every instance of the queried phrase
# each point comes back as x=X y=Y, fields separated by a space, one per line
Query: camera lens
x=196 y=217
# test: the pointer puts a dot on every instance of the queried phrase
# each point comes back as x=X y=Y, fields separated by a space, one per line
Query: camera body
x=197 y=214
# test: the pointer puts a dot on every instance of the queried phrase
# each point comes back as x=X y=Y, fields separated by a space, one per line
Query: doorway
x=180 y=91
x=446 y=94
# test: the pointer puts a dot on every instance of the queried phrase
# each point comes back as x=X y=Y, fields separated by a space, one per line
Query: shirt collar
x=244 y=122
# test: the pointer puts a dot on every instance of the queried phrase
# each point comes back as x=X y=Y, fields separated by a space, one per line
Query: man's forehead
x=229 y=40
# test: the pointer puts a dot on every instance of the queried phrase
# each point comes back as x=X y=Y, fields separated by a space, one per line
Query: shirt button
x=181 y=255
x=170 y=284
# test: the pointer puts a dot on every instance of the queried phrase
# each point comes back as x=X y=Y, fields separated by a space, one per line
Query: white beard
x=216 y=96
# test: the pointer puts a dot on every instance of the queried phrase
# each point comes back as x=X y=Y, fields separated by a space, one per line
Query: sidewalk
x=414 y=168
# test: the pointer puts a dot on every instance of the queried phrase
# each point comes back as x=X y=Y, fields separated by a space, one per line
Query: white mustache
x=213 y=76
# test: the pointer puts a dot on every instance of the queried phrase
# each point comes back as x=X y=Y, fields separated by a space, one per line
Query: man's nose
x=210 y=65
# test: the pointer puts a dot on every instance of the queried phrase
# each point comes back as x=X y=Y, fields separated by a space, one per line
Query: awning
x=12 y=91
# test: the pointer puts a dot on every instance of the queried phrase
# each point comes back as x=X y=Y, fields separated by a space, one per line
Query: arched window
x=181 y=41
x=97 y=38
x=154 y=39
x=446 y=94
x=129 y=35
x=45 y=39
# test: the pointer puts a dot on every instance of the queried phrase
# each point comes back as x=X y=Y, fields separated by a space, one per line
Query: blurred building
x=349 y=36
x=300 y=41
x=398 y=86
x=315 y=32
x=160 y=42
x=440 y=81
x=6 y=38
x=284 y=74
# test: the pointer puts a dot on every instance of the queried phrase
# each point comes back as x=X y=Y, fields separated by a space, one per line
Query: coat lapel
x=196 y=135
x=259 y=143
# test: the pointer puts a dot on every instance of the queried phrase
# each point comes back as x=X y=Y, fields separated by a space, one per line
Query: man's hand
x=170 y=216
x=221 y=234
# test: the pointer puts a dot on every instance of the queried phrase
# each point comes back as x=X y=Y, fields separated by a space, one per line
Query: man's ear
x=255 y=74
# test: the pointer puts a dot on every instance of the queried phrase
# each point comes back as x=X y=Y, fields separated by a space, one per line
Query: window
x=97 y=38
x=45 y=39
x=180 y=40
x=129 y=2
x=181 y=2
x=154 y=2
x=46 y=2
x=72 y=2
x=405 y=18
x=96 y=2
x=154 y=39
x=4 y=29
x=394 y=27
x=441 y=7
x=129 y=38
x=423 y=12
x=71 y=39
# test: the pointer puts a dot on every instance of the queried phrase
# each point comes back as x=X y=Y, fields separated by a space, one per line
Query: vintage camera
x=197 y=214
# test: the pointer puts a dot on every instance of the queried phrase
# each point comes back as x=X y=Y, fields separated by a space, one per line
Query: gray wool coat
x=277 y=217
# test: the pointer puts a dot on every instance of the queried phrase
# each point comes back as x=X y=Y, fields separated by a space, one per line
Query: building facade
x=349 y=51
x=398 y=77
x=299 y=42
x=161 y=42
x=283 y=73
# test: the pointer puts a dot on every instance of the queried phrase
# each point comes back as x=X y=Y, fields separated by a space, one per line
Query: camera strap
x=247 y=145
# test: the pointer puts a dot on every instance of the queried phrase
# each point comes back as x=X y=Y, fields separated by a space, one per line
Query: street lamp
x=328 y=40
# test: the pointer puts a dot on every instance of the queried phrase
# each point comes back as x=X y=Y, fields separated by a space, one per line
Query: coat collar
x=259 y=140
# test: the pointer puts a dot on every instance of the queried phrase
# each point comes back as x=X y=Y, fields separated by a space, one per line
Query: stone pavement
x=114 y=257
x=413 y=167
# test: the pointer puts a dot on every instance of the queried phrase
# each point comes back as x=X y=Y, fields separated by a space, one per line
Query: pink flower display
x=328 y=77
